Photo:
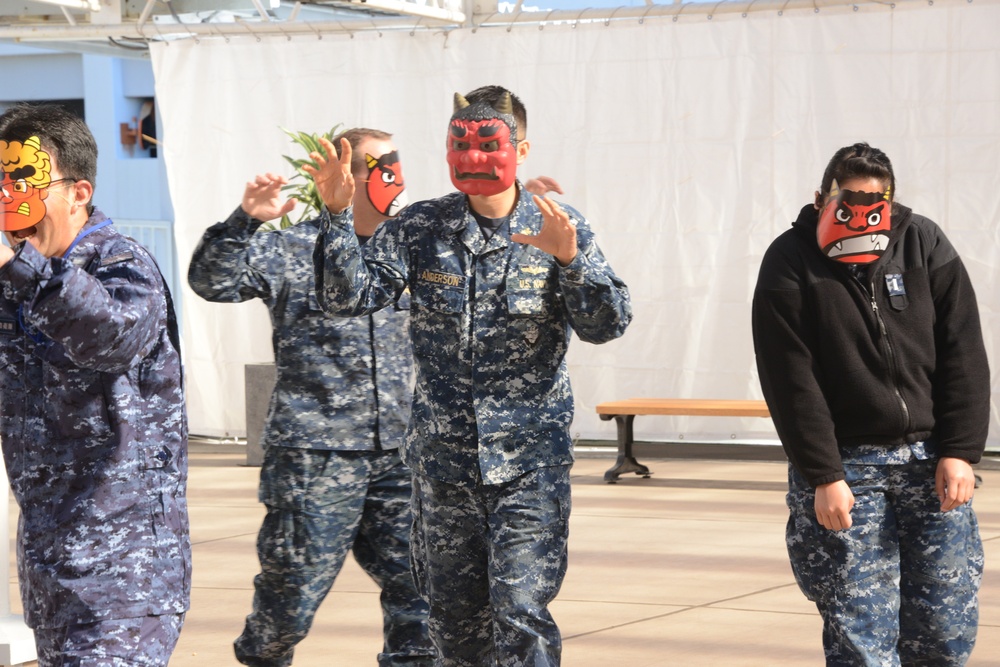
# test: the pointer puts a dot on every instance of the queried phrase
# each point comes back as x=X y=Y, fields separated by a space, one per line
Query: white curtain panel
x=689 y=145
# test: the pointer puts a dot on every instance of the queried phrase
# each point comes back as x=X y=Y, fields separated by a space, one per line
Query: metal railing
x=158 y=237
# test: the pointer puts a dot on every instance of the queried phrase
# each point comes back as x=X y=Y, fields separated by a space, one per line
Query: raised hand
x=262 y=197
x=558 y=234
x=332 y=175
x=542 y=185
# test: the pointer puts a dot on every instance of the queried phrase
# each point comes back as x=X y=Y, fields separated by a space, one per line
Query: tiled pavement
x=686 y=568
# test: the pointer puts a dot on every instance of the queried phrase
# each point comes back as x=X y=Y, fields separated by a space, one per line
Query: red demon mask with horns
x=482 y=146
x=854 y=226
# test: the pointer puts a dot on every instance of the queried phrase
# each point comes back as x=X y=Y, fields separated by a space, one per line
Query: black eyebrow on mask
x=862 y=198
x=489 y=130
x=27 y=171
x=388 y=159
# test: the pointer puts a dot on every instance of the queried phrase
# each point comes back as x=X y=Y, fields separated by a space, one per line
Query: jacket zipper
x=891 y=354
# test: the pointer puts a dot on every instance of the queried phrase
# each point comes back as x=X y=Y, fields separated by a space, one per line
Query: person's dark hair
x=354 y=137
x=62 y=134
x=857 y=161
x=492 y=96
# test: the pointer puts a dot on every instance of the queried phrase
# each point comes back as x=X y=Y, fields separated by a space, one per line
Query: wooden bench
x=624 y=412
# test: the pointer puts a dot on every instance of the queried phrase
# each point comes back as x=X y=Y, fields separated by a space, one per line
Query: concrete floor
x=685 y=568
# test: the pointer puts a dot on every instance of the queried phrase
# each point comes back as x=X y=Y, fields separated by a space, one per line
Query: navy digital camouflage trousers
x=147 y=641
x=900 y=586
x=490 y=559
x=320 y=505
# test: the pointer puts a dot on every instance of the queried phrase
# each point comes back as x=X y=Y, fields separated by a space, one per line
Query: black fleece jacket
x=893 y=361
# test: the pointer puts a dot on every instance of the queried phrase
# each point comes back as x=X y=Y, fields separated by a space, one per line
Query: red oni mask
x=482 y=153
x=482 y=158
x=25 y=177
x=854 y=226
x=385 y=183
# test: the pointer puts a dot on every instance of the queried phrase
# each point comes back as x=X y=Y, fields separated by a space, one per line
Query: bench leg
x=626 y=462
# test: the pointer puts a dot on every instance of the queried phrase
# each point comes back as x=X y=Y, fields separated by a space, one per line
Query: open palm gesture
x=558 y=234
x=262 y=197
x=332 y=175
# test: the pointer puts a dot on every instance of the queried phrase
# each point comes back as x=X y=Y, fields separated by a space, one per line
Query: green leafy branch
x=300 y=186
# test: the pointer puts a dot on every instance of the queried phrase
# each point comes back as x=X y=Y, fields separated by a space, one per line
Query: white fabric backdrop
x=690 y=145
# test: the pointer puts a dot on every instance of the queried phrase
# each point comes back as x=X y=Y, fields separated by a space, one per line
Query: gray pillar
x=259 y=380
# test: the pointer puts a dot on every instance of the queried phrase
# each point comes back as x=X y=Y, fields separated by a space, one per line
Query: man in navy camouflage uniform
x=872 y=362
x=332 y=478
x=498 y=281
x=92 y=416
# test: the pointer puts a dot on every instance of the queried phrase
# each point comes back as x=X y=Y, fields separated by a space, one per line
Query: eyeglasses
x=20 y=188
x=58 y=180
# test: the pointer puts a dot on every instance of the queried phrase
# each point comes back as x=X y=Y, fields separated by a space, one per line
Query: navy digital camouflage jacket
x=343 y=383
x=94 y=431
x=490 y=322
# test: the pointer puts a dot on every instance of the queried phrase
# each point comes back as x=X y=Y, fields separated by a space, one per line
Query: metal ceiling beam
x=347 y=16
x=86 y=5
x=674 y=10
x=147 y=19
x=155 y=31
x=402 y=8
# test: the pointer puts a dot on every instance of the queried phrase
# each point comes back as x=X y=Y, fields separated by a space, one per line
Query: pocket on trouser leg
x=851 y=575
x=939 y=613
x=418 y=556
x=812 y=572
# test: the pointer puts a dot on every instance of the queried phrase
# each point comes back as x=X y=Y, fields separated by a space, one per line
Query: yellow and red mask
x=482 y=147
x=26 y=174
x=385 y=183
x=854 y=226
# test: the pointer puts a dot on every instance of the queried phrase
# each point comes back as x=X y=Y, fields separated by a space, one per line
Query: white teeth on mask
x=839 y=246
